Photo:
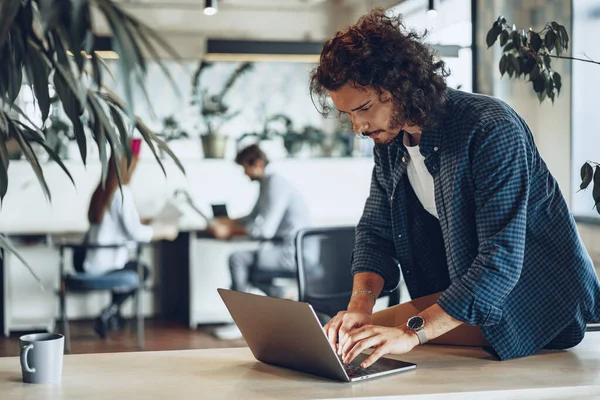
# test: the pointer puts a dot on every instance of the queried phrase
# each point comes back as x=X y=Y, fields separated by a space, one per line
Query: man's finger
x=332 y=332
x=343 y=334
x=362 y=345
x=354 y=336
x=374 y=356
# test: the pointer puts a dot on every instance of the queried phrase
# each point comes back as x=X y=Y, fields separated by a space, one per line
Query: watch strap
x=422 y=336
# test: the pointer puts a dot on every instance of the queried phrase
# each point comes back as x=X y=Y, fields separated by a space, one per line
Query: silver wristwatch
x=417 y=325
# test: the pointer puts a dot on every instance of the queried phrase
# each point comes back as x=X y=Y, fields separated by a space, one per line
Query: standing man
x=279 y=213
x=460 y=201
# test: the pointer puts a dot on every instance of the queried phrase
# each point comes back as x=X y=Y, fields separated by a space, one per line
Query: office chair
x=323 y=257
x=82 y=282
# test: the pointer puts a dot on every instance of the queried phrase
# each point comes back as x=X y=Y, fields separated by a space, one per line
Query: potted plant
x=530 y=54
x=176 y=137
x=213 y=110
x=51 y=42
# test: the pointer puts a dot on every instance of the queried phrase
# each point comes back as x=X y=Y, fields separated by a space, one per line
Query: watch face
x=415 y=323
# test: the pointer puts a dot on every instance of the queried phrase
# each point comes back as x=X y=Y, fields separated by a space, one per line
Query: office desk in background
x=442 y=371
x=192 y=269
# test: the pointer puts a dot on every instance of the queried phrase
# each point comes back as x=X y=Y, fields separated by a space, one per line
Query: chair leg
x=63 y=316
x=140 y=318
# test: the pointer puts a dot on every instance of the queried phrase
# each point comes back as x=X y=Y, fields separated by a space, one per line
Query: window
x=449 y=32
x=585 y=118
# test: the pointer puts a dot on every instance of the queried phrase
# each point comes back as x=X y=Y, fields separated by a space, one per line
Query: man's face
x=370 y=112
x=254 y=171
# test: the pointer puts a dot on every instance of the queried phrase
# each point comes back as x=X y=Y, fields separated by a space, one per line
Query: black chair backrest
x=323 y=256
x=79 y=253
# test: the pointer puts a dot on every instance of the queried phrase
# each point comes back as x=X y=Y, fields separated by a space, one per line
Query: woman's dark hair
x=378 y=51
x=250 y=155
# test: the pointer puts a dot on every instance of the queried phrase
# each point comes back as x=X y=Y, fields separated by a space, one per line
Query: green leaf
x=586 y=173
x=503 y=37
x=17 y=134
x=509 y=46
x=535 y=41
x=596 y=190
x=542 y=96
x=539 y=84
x=550 y=39
x=121 y=43
x=80 y=28
x=118 y=120
x=8 y=12
x=535 y=72
x=3 y=167
x=31 y=135
x=563 y=37
x=558 y=48
x=149 y=136
x=529 y=62
x=16 y=67
x=547 y=61
x=81 y=139
x=492 y=35
x=516 y=39
x=516 y=66
x=38 y=72
x=97 y=71
x=503 y=64
x=550 y=88
x=101 y=118
x=557 y=81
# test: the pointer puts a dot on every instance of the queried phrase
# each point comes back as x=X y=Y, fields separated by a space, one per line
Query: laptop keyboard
x=355 y=370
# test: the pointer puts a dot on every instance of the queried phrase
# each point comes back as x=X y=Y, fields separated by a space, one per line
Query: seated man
x=279 y=213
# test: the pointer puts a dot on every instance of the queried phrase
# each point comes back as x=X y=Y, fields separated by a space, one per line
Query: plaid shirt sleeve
x=374 y=248
x=501 y=178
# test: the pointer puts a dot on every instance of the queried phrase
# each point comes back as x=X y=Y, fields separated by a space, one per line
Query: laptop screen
x=219 y=210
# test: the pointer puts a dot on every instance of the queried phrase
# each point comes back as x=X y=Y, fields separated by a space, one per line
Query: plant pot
x=214 y=145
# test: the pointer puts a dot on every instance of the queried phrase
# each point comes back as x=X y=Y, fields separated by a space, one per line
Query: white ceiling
x=235 y=4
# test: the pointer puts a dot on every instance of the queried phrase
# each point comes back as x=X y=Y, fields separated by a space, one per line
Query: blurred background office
x=242 y=79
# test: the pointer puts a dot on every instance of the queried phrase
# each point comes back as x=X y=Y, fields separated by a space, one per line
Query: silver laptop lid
x=283 y=332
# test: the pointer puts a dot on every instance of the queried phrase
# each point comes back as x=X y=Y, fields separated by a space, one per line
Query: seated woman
x=114 y=220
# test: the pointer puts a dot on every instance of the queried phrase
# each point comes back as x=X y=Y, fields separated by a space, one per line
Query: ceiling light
x=431 y=11
x=210 y=7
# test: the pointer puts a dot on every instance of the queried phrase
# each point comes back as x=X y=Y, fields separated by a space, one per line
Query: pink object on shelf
x=136 y=146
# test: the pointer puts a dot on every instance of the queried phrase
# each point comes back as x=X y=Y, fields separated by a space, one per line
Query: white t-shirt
x=121 y=223
x=421 y=180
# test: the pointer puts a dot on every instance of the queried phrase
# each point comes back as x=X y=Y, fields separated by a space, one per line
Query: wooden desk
x=467 y=373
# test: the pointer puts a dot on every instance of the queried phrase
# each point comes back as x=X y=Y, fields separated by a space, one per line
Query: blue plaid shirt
x=515 y=263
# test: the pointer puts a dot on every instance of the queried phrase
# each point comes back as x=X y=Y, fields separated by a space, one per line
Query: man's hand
x=384 y=340
x=342 y=323
x=220 y=230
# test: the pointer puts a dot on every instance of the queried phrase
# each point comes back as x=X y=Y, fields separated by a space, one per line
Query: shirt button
x=436 y=148
x=391 y=198
x=399 y=236
x=403 y=159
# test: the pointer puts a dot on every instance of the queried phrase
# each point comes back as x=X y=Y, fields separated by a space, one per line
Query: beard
x=395 y=125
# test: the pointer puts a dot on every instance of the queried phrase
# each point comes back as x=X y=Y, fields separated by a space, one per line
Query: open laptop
x=219 y=210
x=288 y=334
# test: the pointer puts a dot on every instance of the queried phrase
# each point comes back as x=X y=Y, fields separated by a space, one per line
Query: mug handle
x=24 y=353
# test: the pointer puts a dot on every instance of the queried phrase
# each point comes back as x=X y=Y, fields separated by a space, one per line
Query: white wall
x=335 y=189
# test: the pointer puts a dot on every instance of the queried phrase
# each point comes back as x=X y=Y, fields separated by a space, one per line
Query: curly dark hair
x=380 y=52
